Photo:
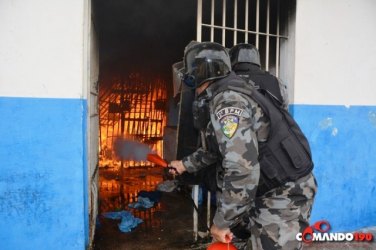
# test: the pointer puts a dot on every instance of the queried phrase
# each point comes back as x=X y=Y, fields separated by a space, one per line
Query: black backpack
x=286 y=155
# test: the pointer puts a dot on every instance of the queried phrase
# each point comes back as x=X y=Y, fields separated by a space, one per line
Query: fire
x=132 y=108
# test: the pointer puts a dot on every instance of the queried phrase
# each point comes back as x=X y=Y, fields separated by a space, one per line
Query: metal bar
x=208 y=206
x=195 y=187
x=224 y=22
x=140 y=112
x=195 y=215
x=267 y=35
x=257 y=22
x=153 y=124
x=277 y=45
x=242 y=30
x=199 y=20
x=212 y=21
x=246 y=21
x=235 y=21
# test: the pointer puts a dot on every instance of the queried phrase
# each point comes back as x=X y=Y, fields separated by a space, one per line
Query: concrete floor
x=169 y=224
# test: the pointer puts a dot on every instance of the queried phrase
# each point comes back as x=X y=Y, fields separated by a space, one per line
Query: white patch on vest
x=229 y=111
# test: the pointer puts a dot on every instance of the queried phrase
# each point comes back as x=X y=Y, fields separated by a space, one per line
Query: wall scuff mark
x=372 y=117
x=326 y=123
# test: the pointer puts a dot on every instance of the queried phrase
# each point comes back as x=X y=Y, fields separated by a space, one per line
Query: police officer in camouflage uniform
x=234 y=125
x=245 y=62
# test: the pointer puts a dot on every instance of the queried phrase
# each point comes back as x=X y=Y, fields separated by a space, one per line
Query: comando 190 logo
x=320 y=232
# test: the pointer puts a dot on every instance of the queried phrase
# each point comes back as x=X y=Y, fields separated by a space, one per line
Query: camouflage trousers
x=280 y=214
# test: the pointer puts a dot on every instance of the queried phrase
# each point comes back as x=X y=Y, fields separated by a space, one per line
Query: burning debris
x=135 y=109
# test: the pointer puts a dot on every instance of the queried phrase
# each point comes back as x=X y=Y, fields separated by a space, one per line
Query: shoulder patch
x=229 y=111
x=229 y=120
x=229 y=125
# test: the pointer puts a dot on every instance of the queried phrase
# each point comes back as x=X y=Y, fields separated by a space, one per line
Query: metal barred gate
x=263 y=23
x=259 y=22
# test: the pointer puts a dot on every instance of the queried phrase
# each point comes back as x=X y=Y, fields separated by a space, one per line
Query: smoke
x=126 y=149
x=145 y=36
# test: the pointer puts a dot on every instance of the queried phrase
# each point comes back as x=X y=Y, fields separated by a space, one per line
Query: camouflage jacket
x=236 y=125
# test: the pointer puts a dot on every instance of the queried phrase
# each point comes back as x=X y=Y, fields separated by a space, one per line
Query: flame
x=135 y=109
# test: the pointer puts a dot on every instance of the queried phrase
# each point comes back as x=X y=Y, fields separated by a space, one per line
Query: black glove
x=240 y=229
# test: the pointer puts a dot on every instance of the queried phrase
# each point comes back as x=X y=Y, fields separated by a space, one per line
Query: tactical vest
x=263 y=80
x=286 y=155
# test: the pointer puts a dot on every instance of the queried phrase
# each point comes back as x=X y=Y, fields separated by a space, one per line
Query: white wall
x=41 y=48
x=91 y=75
x=287 y=55
x=335 y=53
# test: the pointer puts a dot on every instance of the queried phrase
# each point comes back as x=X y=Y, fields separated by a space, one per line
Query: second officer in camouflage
x=234 y=126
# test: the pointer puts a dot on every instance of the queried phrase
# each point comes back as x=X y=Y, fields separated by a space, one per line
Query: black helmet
x=205 y=61
x=244 y=53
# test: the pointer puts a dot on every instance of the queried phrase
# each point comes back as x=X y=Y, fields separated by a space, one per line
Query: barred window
x=262 y=23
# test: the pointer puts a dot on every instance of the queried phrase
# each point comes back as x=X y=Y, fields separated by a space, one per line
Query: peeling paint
x=28 y=197
x=326 y=123
x=334 y=131
x=342 y=144
x=372 y=118
x=41 y=182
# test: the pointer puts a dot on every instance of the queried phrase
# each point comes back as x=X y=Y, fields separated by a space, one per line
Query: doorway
x=138 y=43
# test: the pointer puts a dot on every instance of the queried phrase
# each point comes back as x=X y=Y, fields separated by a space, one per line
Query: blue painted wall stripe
x=42 y=165
x=343 y=141
x=85 y=175
x=43 y=181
